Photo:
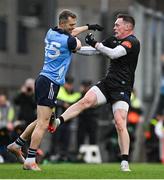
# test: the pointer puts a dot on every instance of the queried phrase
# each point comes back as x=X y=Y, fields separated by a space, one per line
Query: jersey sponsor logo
x=128 y=44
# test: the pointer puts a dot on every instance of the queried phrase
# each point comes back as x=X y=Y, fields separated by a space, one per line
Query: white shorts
x=120 y=105
x=101 y=99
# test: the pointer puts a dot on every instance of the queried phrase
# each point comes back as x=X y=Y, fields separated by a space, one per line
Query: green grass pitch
x=83 y=171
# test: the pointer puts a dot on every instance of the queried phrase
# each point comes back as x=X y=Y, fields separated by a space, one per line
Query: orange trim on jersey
x=128 y=44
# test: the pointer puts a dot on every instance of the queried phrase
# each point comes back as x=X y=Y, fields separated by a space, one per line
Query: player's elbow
x=113 y=56
x=78 y=46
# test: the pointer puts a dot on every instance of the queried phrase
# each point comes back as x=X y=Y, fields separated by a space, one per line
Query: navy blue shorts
x=112 y=95
x=45 y=91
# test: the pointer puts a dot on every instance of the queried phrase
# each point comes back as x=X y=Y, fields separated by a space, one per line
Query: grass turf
x=83 y=171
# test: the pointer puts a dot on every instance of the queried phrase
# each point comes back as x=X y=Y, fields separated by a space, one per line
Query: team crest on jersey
x=128 y=44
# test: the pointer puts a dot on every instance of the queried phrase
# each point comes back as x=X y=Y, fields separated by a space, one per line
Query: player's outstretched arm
x=114 y=53
x=87 y=51
x=79 y=30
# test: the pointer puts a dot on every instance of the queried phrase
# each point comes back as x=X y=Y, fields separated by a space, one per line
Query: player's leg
x=45 y=93
x=16 y=146
x=26 y=135
x=43 y=114
x=120 y=110
x=92 y=98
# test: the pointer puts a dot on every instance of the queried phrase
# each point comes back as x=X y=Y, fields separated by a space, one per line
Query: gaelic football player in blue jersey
x=60 y=42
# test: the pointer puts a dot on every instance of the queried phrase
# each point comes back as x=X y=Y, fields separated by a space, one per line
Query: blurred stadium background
x=23 y=24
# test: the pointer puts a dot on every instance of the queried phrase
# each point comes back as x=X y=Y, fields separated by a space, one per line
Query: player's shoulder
x=59 y=31
x=131 y=42
x=132 y=39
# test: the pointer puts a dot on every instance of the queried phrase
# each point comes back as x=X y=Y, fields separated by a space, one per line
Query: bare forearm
x=79 y=30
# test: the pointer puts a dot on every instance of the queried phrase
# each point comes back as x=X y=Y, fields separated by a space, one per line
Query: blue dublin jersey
x=58 y=54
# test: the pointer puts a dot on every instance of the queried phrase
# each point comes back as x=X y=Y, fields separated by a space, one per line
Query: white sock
x=57 y=122
x=123 y=161
x=17 y=145
x=30 y=160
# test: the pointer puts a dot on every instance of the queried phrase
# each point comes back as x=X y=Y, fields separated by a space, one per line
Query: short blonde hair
x=65 y=14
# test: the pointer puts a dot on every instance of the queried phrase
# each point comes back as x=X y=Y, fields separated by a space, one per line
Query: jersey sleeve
x=128 y=44
x=72 y=43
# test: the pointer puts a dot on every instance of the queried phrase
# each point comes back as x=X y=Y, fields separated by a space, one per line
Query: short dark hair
x=127 y=18
x=65 y=14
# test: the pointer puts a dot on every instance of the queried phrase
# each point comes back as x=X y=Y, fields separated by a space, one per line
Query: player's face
x=70 y=25
x=120 y=28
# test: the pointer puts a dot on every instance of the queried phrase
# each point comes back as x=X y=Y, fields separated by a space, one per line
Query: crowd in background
x=21 y=110
x=154 y=131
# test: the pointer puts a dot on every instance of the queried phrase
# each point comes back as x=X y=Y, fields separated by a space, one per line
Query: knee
x=119 y=123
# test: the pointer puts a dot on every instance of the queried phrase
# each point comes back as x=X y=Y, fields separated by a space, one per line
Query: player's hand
x=95 y=27
x=89 y=39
